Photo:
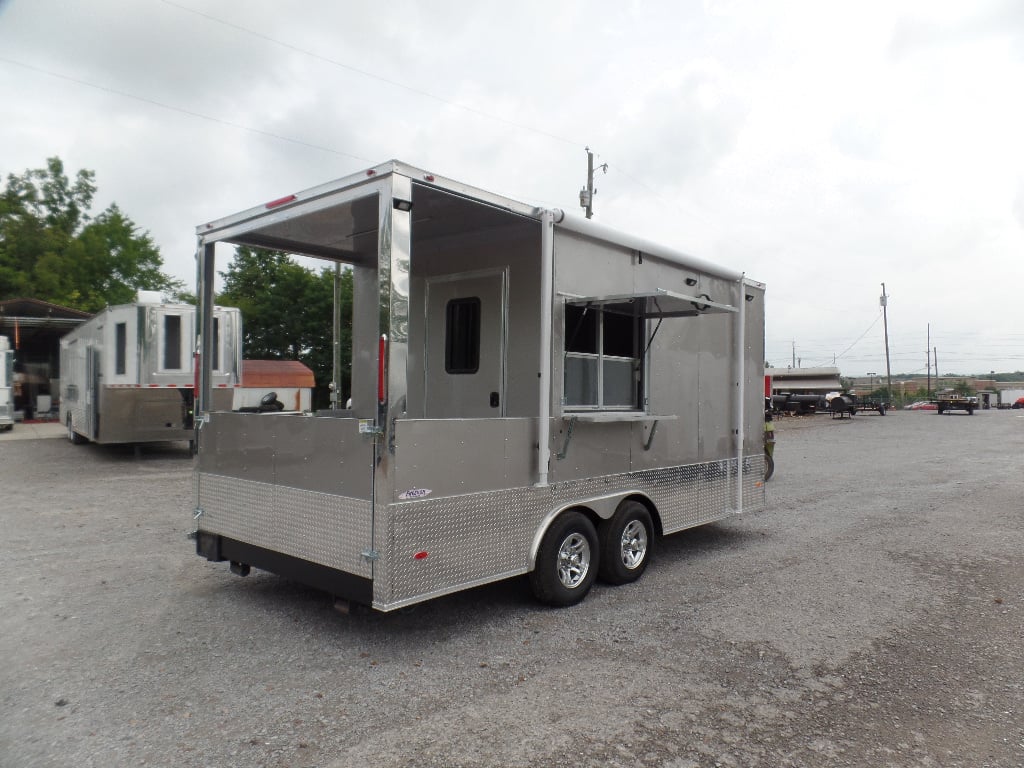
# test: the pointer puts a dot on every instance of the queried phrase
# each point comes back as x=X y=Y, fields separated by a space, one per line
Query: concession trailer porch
x=532 y=393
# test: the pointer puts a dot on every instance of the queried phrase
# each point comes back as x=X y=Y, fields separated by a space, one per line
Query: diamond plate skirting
x=319 y=527
x=483 y=537
x=434 y=546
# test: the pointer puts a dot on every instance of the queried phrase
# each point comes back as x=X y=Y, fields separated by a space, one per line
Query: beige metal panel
x=753 y=428
x=716 y=387
x=591 y=450
x=148 y=414
x=585 y=267
x=673 y=377
x=461 y=456
x=239 y=445
x=312 y=453
x=325 y=455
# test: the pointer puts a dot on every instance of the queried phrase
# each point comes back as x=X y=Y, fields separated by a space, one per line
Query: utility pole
x=928 y=359
x=885 y=323
x=794 y=354
x=588 y=192
x=935 y=359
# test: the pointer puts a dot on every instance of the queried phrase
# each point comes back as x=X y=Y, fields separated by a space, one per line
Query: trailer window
x=462 y=336
x=603 y=357
x=120 y=348
x=172 y=342
x=215 y=352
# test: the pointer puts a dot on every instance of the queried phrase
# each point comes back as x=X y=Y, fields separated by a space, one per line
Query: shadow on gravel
x=703 y=541
x=146 y=452
x=266 y=597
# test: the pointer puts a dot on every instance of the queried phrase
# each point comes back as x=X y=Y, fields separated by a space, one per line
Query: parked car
x=1018 y=403
x=921 y=405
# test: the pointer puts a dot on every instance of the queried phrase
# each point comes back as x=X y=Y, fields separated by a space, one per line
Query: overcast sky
x=820 y=147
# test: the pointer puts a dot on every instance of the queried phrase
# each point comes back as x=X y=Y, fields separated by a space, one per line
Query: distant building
x=804 y=381
x=35 y=328
x=292 y=381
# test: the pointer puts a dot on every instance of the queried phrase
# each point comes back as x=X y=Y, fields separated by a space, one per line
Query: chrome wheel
x=627 y=540
x=567 y=561
x=633 y=545
x=573 y=560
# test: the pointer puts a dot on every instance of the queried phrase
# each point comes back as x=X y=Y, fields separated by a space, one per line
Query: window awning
x=657 y=303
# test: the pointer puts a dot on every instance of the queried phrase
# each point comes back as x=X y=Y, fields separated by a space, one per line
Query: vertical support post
x=205 y=257
x=547 y=257
x=740 y=342
x=336 y=395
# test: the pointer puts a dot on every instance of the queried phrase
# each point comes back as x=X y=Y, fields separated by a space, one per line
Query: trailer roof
x=338 y=220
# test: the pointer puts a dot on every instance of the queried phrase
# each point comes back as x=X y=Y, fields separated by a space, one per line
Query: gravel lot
x=871 y=616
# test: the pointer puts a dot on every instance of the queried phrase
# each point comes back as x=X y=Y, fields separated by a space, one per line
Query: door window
x=462 y=336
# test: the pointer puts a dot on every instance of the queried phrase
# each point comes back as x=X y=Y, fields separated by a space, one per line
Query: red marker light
x=371 y=172
x=428 y=177
x=280 y=201
x=421 y=555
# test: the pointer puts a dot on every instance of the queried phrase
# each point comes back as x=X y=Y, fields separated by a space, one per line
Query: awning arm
x=657 y=303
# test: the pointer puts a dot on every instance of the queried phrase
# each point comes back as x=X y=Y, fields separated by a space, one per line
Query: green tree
x=964 y=388
x=52 y=249
x=287 y=311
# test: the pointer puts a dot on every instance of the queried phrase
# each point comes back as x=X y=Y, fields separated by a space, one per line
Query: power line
x=873 y=324
x=182 y=110
x=366 y=73
x=419 y=92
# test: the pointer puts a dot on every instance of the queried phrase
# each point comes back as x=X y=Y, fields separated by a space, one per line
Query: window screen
x=462 y=336
x=120 y=349
x=172 y=342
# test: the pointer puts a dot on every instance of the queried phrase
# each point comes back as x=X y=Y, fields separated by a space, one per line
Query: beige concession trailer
x=532 y=393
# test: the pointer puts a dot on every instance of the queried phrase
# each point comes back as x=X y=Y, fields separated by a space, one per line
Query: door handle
x=495 y=400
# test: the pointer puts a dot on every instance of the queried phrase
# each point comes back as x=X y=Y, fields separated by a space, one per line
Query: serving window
x=603 y=357
x=607 y=347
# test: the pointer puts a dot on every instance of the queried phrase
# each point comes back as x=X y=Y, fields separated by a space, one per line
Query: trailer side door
x=465 y=346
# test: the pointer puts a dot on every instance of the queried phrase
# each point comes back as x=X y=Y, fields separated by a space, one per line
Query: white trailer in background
x=6 y=384
x=1008 y=397
x=128 y=374
x=531 y=394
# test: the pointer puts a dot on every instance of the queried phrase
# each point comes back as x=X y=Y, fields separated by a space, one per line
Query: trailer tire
x=567 y=561
x=626 y=539
x=769 y=466
x=73 y=437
